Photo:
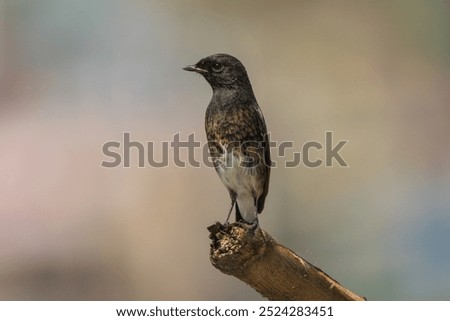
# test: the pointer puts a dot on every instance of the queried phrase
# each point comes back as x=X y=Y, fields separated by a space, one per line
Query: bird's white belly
x=243 y=181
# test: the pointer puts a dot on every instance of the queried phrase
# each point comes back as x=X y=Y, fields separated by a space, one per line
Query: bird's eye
x=217 y=67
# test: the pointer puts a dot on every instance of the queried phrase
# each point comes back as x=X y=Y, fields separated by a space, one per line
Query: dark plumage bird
x=237 y=135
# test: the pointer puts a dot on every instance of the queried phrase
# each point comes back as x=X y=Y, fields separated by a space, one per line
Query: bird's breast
x=237 y=177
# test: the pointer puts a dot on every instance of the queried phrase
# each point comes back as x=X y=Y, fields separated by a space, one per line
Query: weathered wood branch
x=276 y=272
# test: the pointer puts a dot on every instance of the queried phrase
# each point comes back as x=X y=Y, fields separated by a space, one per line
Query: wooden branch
x=276 y=272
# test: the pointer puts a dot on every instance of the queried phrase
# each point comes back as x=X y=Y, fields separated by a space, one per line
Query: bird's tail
x=239 y=217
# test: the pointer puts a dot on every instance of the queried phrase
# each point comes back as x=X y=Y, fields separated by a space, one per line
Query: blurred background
x=75 y=74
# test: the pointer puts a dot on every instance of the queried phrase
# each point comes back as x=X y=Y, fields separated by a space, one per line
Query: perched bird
x=237 y=135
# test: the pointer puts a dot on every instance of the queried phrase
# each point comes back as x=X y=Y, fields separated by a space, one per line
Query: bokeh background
x=75 y=74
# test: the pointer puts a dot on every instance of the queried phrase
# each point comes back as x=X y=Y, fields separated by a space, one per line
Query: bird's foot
x=226 y=224
x=254 y=225
x=247 y=225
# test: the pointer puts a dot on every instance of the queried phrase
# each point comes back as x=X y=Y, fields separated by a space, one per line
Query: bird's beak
x=196 y=69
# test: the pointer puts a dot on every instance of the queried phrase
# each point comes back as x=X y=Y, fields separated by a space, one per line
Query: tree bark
x=276 y=272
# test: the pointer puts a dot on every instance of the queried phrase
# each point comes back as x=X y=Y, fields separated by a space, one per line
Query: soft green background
x=76 y=74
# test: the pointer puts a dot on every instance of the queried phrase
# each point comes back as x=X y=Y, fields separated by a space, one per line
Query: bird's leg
x=229 y=213
x=255 y=223
x=233 y=202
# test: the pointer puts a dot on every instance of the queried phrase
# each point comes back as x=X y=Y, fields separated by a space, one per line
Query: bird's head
x=222 y=71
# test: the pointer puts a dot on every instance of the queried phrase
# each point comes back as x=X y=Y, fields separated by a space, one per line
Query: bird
x=237 y=135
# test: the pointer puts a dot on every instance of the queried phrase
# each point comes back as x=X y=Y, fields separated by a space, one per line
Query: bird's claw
x=254 y=225
x=246 y=225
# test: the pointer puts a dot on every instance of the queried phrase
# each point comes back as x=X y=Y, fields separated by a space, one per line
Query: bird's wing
x=267 y=160
x=255 y=139
x=242 y=127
